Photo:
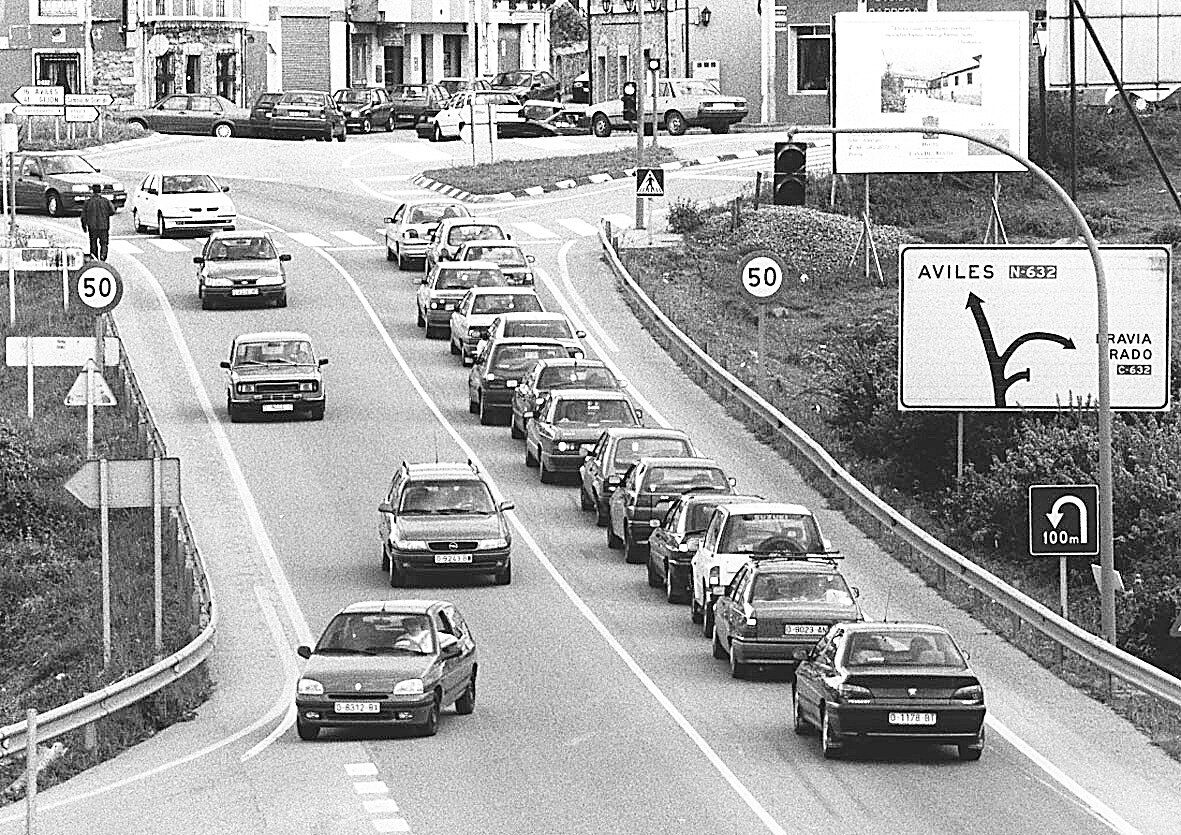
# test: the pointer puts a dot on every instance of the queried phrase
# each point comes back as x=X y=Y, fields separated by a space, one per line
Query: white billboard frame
x=1152 y=60
x=1010 y=328
x=962 y=70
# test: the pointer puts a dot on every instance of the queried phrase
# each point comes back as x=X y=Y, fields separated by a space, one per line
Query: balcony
x=163 y=10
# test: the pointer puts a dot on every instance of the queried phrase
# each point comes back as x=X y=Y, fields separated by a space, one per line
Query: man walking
x=96 y=220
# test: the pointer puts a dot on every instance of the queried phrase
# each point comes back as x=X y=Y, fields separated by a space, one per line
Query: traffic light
x=629 y=101
x=791 y=177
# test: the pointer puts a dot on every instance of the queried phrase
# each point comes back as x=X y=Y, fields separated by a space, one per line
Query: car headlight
x=473 y=331
x=246 y=388
x=490 y=544
x=309 y=385
x=409 y=687
x=973 y=694
x=563 y=446
x=435 y=305
x=409 y=544
x=310 y=687
x=79 y=188
x=854 y=693
x=218 y=282
x=488 y=378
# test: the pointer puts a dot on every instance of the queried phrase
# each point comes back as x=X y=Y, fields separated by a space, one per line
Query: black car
x=365 y=109
x=615 y=452
x=580 y=92
x=498 y=369
x=57 y=183
x=259 y=122
x=528 y=84
x=889 y=681
x=545 y=118
x=671 y=546
x=202 y=115
x=415 y=103
x=563 y=430
x=307 y=113
x=241 y=267
x=548 y=375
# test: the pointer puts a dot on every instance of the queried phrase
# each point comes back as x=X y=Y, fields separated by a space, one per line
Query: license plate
x=244 y=291
x=357 y=707
x=297 y=113
x=277 y=407
x=452 y=558
x=912 y=718
x=803 y=629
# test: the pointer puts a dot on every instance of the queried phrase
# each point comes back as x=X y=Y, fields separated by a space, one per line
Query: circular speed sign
x=99 y=287
x=762 y=274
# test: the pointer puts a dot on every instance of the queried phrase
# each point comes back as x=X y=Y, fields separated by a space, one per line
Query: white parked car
x=681 y=103
x=167 y=201
x=474 y=107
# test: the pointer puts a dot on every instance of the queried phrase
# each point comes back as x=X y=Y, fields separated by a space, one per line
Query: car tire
x=344 y=134
x=366 y=126
x=487 y=418
x=473 y=405
x=135 y=224
x=53 y=204
x=161 y=225
x=232 y=411
x=707 y=619
x=600 y=126
x=696 y=613
x=829 y=747
x=633 y=552
x=390 y=256
x=223 y=130
x=419 y=320
x=466 y=703
x=543 y=472
x=613 y=542
x=400 y=260
x=514 y=431
x=431 y=726
x=530 y=459
x=718 y=649
x=672 y=593
x=738 y=669
x=798 y=723
x=600 y=515
x=385 y=558
x=397 y=575
x=972 y=752
x=389 y=124
x=654 y=580
x=453 y=347
x=584 y=500
x=505 y=577
x=206 y=303
x=436 y=134
x=308 y=733
x=675 y=123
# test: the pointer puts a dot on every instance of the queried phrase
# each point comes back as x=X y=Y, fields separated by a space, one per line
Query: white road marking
x=578 y=226
x=168 y=245
x=564 y=267
x=384 y=806
x=355 y=238
x=361 y=770
x=728 y=178
x=351 y=248
x=371 y=787
x=391 y=825
x=285 y=703
x=124 y=247
x=534 y=230
x=621 y=219
x=307 y=239
x=389 y=194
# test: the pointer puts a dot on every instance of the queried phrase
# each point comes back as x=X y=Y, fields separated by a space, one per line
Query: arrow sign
x=81 y=114
x=38 y=110
x=1055 y=515
x=30 y=94
x=89 y=99
x=129 y=483
x=1052 y=533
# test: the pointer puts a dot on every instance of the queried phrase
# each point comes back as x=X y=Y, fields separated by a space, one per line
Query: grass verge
x=513 y=174
x=39 y=136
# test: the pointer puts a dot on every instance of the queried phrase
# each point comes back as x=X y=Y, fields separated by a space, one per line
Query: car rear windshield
x=800 y=587
x=251 y=248
x=352 y=96
x=576 y=377
x=435 y=213
x=302 y=100
x=409 y=92
x=506 y=256
x=67 y=164
x=461 y=279
x=765 y=533
x=473 y=232
x=446 y=497
x=548 y=329
x=593 y=412
x=187 y=184
x=274 y=352
x=511 y=79
x=507 y=303
x=917 y=648
x=696 y=87
x=363 y=633
x=520 y=357
x=630 y=450
x=682 y=479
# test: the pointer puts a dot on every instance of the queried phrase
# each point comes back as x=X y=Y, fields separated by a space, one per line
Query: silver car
x=408 y=230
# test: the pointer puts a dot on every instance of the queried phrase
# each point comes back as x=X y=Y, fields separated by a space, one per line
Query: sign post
x=649 y=183
x=762 y=274
x=1063 y=522
x=57 y=351
x=157 y=559
x=104 y=522
x=90 y=390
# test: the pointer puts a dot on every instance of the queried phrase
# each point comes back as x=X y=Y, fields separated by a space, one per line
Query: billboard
x=1141 y=37
x=962 y=70
x=1008 y=328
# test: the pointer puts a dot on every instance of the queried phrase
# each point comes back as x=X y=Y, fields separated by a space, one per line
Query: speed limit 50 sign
x=762 y=274
x=99 y=287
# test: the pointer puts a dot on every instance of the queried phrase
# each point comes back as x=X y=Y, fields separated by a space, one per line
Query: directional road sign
x=129 y=483
x=40 y=258
x=81 y=114
x=99 y=287
x=649 y=182
x=39 y=110
x=1064 y=520
x=762 y=274
x=34 y=94
x=993 y=328
x=57 y=350
x=103 y=396
x=88 y=99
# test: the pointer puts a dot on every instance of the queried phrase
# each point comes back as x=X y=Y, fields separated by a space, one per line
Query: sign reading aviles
x=960 y=70
x=996 y=328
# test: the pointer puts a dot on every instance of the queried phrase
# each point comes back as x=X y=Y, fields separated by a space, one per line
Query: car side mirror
x=449 y=646
x=225 y=188
x=286 y=256
x=152 y=191
x=507 y=236
x=856 y=591
x=530 y=259
x=98 y=171
x=224 y=364
x=580 y=334
x=389 y=220
x=639 y=414
x=732 y=481
x=323 y=361
x=385 y=507
x=505 y=506
x=303 y=651
x=197 y=259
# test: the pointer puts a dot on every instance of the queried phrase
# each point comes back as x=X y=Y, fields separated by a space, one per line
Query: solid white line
x=564 y=268
x=391 y=825
x=168 y=245
x=371 y=787
x=578 y=226
x=534 y=230
x=124 y=247
x=285 y=703
x=351 y=237
x=382 y=806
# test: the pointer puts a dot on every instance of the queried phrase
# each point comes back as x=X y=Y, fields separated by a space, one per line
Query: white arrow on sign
x=30 y=94
x=1055 y=515
x=39 y=110
x=81 y=114
x=89 y=99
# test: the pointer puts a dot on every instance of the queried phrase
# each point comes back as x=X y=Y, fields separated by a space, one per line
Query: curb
x=564 y=185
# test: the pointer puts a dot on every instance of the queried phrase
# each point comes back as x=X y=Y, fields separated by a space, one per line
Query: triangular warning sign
x=650 y=185
x=103 y=396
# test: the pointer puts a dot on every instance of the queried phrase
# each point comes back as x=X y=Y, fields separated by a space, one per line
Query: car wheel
x=672 y=593
x=397 y=575
x=600 y=515
x=366 y=126
x=505 y=577
x=543 y=472
x=400 y=260
x=385 y=558
x=431 y=726
x=161 y=226
x=135 y=224
x=720 y=129
x=613 y=542
x=306 y=732
x=798 y=722
x=389 y=123
x=584 y=500
x=707 y=619
x=344 y=134
x=515 y=432
x=601 y=126
x=653 y=577
x=718 y=649
x=419 y=320
x=436 y=135
x=390 y=256
x=206 y=302
x=233 y=412
x=675 y=123
x=486 y=416
x=696 y=613
x=633 y=552
x=530 y=459
x=53 y=204
x=466 y=703
x=223 y=130
x=829 y=746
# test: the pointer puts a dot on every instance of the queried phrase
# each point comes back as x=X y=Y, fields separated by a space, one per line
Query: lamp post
x=590 y=58
x=1039 y=41
x=641 y=73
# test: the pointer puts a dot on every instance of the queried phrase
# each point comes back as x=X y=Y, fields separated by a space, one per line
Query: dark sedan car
x=416 y=103
x=241 y=267
x=365 y=109
x=307 y=113
x=671 y=546
x=387 y=662
x=565 y=427
x=615 y=452
x=191 y=113
x=889 y=681
x=57 y=183
x=545 y=118
x=776 y=610
x=498 y=369
x=549 y=375
x=528 y=84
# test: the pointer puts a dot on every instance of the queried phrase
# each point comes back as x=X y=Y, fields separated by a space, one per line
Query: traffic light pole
x=1106 y=544
x=641 y=70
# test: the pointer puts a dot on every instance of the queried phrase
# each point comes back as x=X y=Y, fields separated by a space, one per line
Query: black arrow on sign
x=997 y=361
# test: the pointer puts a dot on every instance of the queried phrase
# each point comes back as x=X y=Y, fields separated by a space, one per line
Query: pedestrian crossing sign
x=649 y=182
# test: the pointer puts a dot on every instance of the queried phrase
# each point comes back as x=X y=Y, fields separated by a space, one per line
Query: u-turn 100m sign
x=995 y=328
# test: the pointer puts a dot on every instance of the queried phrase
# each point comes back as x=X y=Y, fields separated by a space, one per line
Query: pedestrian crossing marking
x=125 y=247
x=534 y=230
x=307 y=239
x=578 y=226
x=621 y=219
x=649 y=182
x=166 y=245
x=354 y=238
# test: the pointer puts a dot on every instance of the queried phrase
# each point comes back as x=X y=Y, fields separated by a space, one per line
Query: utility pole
x=641 y=70
x=87 y=48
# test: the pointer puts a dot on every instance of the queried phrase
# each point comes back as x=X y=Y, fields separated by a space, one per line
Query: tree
x=567 y=24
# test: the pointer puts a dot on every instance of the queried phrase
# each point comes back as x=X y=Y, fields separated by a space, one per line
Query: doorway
x=192 y=73
x=393 y=66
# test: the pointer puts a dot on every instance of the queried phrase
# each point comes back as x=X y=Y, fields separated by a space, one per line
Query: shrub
x=1145 y=618
x=1037 y=223
x=1170 y=233
x=684 y=216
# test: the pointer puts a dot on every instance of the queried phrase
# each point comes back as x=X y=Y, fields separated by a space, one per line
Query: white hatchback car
x=474 y=107
x=167 y=201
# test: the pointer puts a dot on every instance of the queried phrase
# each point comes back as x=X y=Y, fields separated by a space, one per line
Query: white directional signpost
x=762 y=274
x=90 y=390
x=33 y=351
x=145 y=482
x=1063 y=522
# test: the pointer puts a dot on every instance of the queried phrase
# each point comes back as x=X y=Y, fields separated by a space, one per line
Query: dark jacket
x=96 y=213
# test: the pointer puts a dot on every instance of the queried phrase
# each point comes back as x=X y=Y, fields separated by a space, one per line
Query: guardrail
x=126 y=692
x=950 y=563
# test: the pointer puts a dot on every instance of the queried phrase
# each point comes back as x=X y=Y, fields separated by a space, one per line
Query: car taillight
x=750 y=629
x=973 y=694
x=854 y=693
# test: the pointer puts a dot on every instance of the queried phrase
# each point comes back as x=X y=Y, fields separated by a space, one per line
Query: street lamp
x=630 y=5
x=704 y=15
x=1039 y=41
x=606 y=6
x=655 y=5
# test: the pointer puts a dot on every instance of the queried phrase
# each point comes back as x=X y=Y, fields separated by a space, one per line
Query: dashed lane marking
x=370 y=787
x=360 y=769
x=354 y=238
x=168 y=245
x=125 y=247
x=391 y=825
x=578 y=226
x=383 y=806
x=534 y=230
x=307 y=239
